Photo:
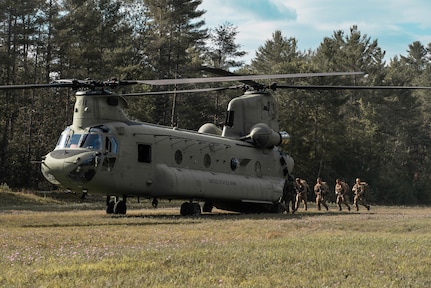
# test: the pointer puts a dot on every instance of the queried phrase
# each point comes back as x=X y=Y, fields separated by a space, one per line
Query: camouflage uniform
x=301 y=188
x=359 y=190
x=321 y=189
x=341 y=189
x=289 y=194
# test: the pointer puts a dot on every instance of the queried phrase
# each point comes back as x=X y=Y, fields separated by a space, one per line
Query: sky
x=393 y=23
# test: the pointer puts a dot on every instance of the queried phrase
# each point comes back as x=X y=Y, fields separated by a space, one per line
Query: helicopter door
x=145 y=159
x=111 y=151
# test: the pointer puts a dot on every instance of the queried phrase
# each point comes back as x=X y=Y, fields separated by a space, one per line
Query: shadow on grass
x=224 y=215
x=168 y=212
x=152 y=217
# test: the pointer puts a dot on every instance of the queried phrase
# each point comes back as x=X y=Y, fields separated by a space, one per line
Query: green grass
x=383 y=247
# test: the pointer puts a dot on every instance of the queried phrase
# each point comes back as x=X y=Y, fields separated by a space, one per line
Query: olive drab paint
x=240 y=169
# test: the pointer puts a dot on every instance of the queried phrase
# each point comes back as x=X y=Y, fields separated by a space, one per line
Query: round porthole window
x=234 y=163
x=207 y=160
x=178 y=157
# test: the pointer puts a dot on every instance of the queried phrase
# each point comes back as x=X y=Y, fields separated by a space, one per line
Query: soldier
x=341 y=189
x=301 y=188
x=359 y=191
x=321 y=189
x=289 y=193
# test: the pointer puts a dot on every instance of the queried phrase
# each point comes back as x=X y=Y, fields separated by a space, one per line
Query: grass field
x=50 y=242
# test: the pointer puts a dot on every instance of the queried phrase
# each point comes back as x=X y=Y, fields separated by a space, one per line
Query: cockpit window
x=73 y=141
x=64 y=138
x=62 y=141
x=96 y=138
x=91 y=141
x=229 y=118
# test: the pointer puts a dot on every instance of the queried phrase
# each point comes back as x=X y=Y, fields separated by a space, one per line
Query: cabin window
x=144 y=153
x=234 y=163
x=207 y=160
x=229 y=118
x=111 y=145
x=178 y=157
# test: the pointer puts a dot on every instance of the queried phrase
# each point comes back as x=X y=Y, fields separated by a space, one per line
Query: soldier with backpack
x=341 y=189
x=301 y=188
x=321 y=190
x=289 y=194
x=359 y=192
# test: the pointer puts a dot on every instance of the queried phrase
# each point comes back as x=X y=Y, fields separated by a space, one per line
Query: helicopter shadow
x=221 y=216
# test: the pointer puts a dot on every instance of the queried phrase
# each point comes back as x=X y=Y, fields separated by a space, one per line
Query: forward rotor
x=113 y=83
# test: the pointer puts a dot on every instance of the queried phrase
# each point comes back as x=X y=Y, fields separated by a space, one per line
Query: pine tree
x=223 y=50
x=176 y=35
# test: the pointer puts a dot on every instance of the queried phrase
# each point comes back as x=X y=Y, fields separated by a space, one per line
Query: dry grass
x=384 y=247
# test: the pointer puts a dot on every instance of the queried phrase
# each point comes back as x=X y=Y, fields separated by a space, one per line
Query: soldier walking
x=321 y=189
x=301 y=188
x=289 y=193
x=341 y=189
x=359 y=192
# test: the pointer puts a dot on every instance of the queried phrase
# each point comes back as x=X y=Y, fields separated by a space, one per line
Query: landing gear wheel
x=195 y=209
x=110 y=207
x=120 y=207
x=190 y=209
x=185 y=209
x=208 y=207
x=277 y=208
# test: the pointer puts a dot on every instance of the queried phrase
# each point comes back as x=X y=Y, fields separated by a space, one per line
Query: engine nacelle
x=210 y=128
x=264 y=137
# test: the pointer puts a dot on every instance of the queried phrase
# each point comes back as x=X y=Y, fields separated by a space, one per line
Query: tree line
x=381 y=136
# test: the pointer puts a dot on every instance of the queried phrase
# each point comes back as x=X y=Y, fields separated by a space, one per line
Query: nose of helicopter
x=70 y=168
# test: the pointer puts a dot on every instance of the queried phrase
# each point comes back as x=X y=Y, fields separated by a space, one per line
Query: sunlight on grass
x=387 y=247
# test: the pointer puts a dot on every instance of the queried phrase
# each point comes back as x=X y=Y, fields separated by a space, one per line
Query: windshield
x=96 y=138
x=68 y=139
x=91 y=141
x=64 y=137
x=73 y=141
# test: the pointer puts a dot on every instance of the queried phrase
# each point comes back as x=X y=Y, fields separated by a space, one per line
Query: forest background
x=381 y=136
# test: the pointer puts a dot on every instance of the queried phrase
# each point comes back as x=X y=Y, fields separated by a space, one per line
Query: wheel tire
x=195 y=209
x=120 y=207
x=185 y=209
x=277 y=208
x=110 y=207
x=208 y=207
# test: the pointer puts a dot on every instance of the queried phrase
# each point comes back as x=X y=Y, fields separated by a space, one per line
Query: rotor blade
x=225 y=73
x=181 y=91
x=32 y=86
x=61 y=83
x=247 y=79
x=240 y=78
x=329 y=87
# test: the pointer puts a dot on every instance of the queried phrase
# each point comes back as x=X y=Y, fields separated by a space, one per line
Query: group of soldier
x=297 y=191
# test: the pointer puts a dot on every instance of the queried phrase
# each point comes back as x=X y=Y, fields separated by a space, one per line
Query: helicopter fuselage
x=105 y=153
x=160 y=162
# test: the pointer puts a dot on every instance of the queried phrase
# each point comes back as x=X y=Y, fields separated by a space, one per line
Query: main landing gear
x=115 y=205
x=190 y=209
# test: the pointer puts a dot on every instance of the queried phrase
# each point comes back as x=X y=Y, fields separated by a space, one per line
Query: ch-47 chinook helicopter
x=237 y=168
